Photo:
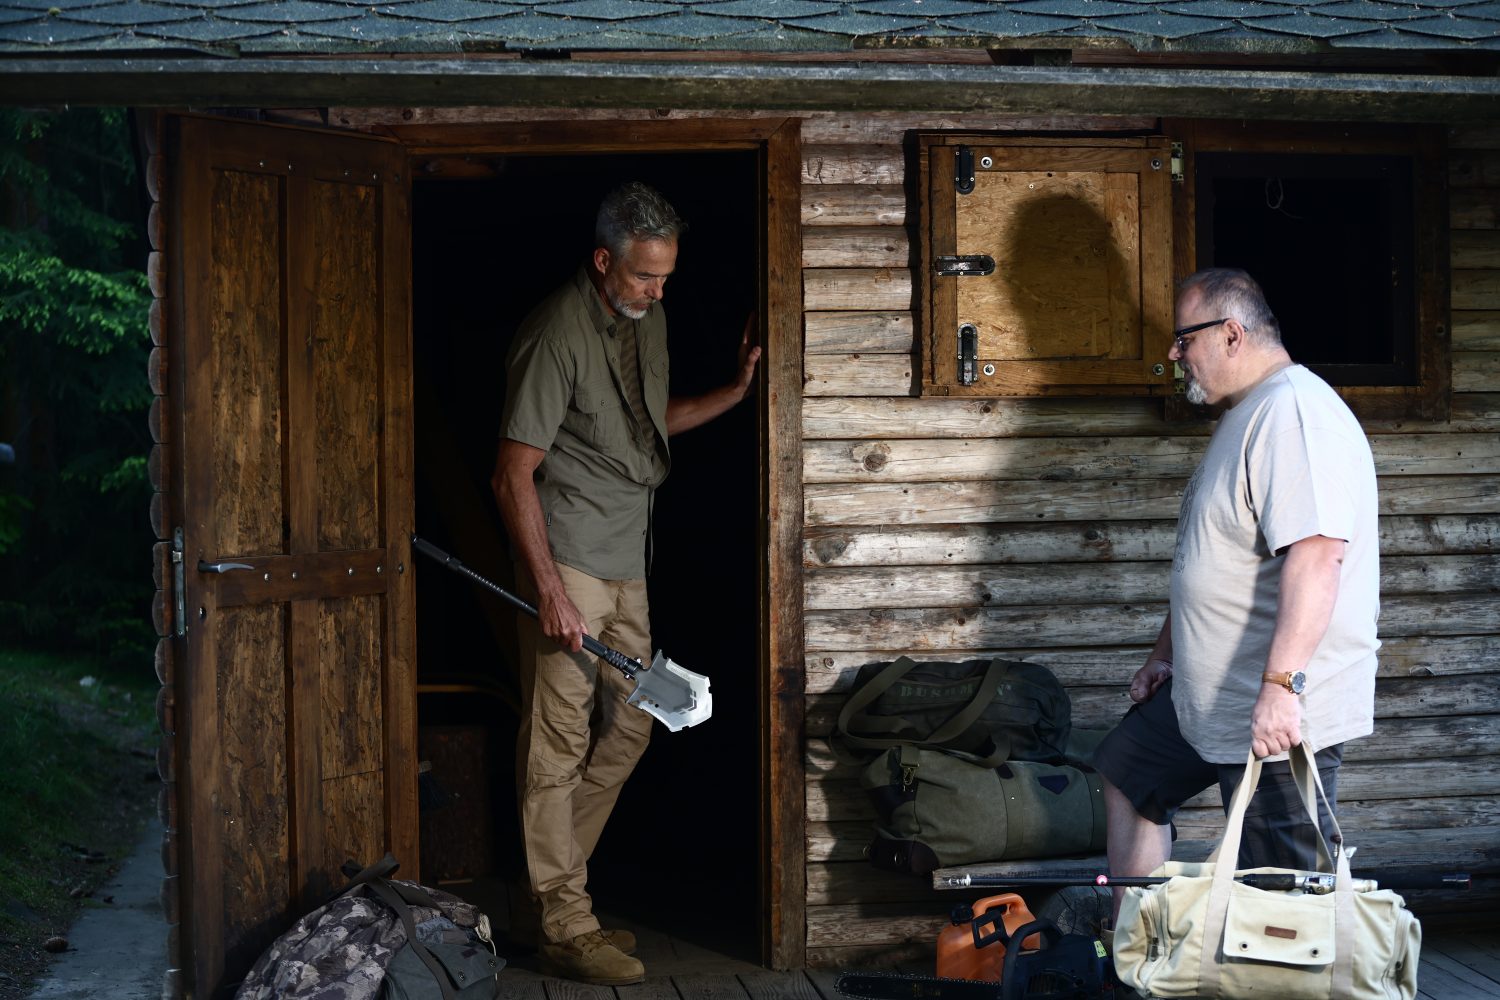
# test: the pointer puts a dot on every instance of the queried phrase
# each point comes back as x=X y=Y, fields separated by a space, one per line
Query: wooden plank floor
x=1460 y=961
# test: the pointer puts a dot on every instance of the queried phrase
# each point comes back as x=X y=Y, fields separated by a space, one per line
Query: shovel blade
x=673 y=694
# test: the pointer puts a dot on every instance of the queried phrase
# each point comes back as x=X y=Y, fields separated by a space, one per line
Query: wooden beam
x=299 y=82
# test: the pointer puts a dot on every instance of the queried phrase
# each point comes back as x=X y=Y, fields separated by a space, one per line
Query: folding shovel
x=673 y=694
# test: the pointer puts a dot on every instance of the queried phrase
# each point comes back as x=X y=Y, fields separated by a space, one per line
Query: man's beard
x=627 y=310
x=1195 y=392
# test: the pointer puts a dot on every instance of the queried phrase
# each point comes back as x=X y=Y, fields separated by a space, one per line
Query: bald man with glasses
x=1270 y=638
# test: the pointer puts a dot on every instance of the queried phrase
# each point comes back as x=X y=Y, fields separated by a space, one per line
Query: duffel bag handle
x=882 y=682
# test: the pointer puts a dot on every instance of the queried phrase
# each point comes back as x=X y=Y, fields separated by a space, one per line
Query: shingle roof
x=267 y=27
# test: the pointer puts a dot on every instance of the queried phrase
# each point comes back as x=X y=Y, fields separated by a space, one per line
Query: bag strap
x=1225 y=859
x=390 y=895
x=854 y=710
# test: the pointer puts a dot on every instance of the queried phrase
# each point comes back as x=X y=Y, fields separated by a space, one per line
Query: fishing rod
x=1317 y=884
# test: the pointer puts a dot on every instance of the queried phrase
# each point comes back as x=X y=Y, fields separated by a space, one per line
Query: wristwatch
x=1294 y=681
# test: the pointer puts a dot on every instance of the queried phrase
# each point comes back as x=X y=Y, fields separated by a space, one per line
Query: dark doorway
x=484 y=252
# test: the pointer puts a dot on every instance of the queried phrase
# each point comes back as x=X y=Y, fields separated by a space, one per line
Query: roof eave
x=1021 y=90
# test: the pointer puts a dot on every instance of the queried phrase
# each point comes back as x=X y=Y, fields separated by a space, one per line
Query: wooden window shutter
x=1080 y=234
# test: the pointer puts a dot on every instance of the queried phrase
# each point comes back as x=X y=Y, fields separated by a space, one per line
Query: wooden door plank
x=783 y=875
x=280 y=687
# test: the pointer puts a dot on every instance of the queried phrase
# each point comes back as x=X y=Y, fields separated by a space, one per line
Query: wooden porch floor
x=1460 y=961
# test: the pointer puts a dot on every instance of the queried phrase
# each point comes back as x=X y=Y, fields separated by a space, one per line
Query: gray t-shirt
x=1289 y=462
x=564 y=396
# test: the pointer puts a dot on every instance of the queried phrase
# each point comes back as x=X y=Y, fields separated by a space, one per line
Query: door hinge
x=1179 y=172
x=179 y=583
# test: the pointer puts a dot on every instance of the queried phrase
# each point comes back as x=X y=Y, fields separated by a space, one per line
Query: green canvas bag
x=936 y=809
x=999 y=709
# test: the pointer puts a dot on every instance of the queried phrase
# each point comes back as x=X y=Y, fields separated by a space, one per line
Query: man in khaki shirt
x=583 y=448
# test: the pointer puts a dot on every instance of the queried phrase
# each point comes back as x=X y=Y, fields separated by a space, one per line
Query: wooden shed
x=353 y=205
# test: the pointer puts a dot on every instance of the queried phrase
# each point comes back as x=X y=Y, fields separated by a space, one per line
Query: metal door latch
x=978 y=264
x=968 y=354
x=221 y=567
x=963 y=170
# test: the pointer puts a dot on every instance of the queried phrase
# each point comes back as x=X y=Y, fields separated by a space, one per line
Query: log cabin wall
x=948 y=528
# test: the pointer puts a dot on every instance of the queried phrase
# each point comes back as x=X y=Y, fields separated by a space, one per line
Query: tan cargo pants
x=578 y=742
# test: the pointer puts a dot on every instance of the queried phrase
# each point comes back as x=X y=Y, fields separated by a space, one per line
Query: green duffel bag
x=936 y=809
x=1002 y=709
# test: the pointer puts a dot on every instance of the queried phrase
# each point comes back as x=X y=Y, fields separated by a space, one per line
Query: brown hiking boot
x=590 y=958
x=525 y=929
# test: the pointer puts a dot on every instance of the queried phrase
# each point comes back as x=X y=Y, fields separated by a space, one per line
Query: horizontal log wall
x=1043 y=528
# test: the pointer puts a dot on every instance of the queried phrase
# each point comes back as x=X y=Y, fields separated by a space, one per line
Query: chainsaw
x=1066 y=967
x=673 y=694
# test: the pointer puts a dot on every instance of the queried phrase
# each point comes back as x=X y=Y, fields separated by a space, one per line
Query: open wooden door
x=288 y=438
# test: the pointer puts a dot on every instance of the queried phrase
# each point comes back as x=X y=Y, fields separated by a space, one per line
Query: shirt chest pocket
x=597 y=414
x=657 y=382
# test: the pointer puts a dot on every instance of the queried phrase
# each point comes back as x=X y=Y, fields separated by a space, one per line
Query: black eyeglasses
x=1178 y=335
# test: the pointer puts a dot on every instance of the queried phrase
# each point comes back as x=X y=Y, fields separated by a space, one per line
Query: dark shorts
x=1152 y=765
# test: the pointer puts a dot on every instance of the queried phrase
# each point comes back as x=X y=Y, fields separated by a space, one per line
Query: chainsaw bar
x=1055 y=984
x=896 y=986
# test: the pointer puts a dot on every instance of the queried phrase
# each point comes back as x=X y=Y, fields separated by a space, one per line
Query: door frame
x=450 y=150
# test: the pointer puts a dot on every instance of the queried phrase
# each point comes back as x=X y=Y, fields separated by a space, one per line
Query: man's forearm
x=521 y=510
x=686 y=412
x=1163 y=649
x=1304 y=609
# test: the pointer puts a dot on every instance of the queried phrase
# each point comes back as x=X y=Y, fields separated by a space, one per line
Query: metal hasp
x=968 y=354
x=963 y=170
x=977 y=264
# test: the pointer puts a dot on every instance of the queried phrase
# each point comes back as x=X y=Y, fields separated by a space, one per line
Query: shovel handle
x=613 y=657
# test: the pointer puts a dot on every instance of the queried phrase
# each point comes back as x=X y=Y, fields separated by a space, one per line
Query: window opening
x=1331 y=240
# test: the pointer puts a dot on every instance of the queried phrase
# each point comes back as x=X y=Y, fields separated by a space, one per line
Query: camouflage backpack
x=380 y=938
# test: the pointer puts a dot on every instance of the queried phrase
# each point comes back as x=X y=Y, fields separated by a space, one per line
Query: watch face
x=1297 y=681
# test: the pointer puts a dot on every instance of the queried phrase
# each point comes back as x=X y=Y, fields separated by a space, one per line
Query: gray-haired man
x=1271 y=635
x=583 y=448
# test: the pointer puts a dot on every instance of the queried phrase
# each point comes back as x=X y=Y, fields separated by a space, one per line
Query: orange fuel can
x=972 y=945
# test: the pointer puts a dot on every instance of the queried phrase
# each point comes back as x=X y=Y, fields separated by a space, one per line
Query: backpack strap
x=382 y=869
x=390 y=896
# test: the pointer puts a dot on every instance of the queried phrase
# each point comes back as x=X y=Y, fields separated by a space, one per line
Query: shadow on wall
x=1064 y=288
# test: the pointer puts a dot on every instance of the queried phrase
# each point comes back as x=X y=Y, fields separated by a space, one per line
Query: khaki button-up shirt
x=564 y=397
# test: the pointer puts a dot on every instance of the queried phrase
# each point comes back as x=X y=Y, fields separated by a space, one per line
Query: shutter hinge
x=1178 y=171
x=179 y=583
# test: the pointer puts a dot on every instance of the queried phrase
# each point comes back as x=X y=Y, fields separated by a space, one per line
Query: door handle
x=221 y=567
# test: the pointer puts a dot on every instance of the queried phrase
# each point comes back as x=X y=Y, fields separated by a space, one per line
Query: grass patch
x=78 y=783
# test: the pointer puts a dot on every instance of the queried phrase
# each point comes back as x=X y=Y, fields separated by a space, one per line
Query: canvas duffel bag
x=1201 y=933
x=1000 y=709
x=937 y=808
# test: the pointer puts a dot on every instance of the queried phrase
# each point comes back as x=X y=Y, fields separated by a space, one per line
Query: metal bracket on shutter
x=968 y=354
x=978 y=264
x=963 y=170
x=1179 y=172
x=179 y=583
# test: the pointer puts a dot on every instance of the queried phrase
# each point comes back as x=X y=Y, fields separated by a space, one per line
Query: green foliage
x=72 y=792
x=74 y=544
